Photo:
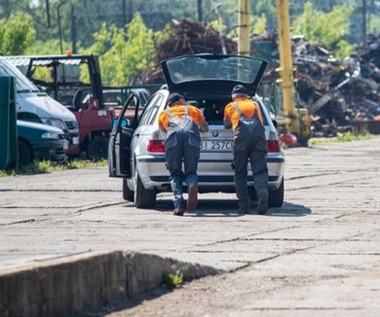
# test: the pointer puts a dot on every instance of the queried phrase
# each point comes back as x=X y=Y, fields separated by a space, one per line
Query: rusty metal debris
x=341 y=95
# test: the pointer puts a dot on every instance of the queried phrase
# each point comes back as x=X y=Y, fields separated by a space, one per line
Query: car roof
x=212 y=75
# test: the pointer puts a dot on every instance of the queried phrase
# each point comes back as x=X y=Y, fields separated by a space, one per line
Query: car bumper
x=74 y=147
x=54 y=150
x=213 y=176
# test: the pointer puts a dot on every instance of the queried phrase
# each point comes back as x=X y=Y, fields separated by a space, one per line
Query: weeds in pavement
x=41 y=167
x=344 y=137
x=173 y=280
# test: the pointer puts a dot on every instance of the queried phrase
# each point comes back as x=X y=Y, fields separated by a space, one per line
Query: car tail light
x=156 y=146
x=273 y=144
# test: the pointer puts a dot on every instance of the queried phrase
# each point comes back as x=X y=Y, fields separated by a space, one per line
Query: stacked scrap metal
x=185 y=38
x=340 y=95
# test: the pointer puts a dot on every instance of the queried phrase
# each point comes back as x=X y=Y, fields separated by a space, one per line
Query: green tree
x=49 y=47
x=330 y=29
x=259 y=25
x=140 y=51
x=122 y=53
x=16 y=34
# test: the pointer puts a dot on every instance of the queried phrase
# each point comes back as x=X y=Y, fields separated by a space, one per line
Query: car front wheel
x=276 y=196
x=127 y=193
x=25 y=154
x=144 y=198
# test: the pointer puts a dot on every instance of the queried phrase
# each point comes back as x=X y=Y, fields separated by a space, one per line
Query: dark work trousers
x=250 y=145
x=182 y=144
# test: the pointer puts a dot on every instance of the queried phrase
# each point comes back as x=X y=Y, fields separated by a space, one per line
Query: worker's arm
x=198 y=116
x=226 y=120
x=227 y=123
x=203 y=125
x=259 y=113
x=161 y=122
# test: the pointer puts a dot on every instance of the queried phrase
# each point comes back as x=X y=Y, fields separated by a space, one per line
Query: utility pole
x=73 y=30
x=59 y=24
x=222 y=44
x=200 y=11
x=124 y=5
x=364 y=19
x=243 y=28
x=47 y=7
x=286 y=63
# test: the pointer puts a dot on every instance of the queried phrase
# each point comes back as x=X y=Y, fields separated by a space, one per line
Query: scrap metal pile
x=185 y=38
x=339 y=94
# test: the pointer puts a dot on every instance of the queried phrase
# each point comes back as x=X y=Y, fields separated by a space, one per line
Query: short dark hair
x=239 y=89
x=174 y=97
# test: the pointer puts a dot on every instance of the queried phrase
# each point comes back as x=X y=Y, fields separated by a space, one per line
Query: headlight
x=55 y=123
x=50 y=135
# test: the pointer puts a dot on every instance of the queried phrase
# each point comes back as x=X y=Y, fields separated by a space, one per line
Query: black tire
x=97 y=148
x=25 y=153
x=276 y=196
x=127 y=193
x=144 y=198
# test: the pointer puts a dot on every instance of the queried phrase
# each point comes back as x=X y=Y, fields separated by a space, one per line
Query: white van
x=36 y=106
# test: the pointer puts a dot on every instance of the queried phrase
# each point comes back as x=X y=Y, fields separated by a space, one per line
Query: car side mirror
x=275 y=123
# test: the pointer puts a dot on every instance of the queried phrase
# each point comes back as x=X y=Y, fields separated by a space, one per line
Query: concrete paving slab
x=286 y=262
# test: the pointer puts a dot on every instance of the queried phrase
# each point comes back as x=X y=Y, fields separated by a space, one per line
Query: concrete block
x=146 y=271
x=62 y=286
x=77 y=283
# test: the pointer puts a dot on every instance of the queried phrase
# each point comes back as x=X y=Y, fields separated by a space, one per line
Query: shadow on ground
x=229 y=208
x=128 y=303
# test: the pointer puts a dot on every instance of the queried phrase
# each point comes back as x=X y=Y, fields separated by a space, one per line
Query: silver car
x=136 y=145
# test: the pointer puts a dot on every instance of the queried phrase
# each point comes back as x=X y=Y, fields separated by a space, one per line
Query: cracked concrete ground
x=318 y=255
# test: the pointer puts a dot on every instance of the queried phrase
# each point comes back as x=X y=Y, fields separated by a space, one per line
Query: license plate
x=65 y=145
x=75 y=140
x=223 y=145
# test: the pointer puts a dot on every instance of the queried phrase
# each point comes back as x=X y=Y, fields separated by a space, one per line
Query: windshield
x=22 y=83
x=232 y=68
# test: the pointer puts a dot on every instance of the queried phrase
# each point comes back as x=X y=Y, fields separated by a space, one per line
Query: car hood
x=43 y=106
x=207 y=74
x=28 y=125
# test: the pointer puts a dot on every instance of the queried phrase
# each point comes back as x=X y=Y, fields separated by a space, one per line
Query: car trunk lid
x=213 y=76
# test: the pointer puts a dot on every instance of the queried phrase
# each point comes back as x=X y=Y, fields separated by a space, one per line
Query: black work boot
x=178 y=211
x=244 y=207
x=262 y=204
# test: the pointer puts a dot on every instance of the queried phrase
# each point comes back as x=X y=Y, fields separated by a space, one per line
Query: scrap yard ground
x=318 y=255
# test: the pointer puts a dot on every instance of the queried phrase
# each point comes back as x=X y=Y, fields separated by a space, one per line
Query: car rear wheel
x=97 y=148
x=144 y=198
x=25 y=154
x=127 y=193
x=276 y=196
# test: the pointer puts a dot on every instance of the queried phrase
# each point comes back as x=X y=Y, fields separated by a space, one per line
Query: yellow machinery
x=296 y=120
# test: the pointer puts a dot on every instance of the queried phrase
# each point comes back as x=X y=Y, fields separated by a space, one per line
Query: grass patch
x=344 y=137
x=41 y=167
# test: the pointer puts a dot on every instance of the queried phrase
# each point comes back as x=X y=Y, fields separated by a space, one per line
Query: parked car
x=36 y=106
x=136 y=147
x=40 y=141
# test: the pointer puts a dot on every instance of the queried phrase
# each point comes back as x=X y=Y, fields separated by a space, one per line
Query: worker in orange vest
x=182 y=123
x=245 y=117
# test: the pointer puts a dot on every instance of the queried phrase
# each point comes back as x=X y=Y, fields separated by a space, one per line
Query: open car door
x=119 y=144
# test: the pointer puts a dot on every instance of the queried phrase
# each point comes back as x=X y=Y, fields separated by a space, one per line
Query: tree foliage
x=329 y=29
x=123 y=53
x=16 y=34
